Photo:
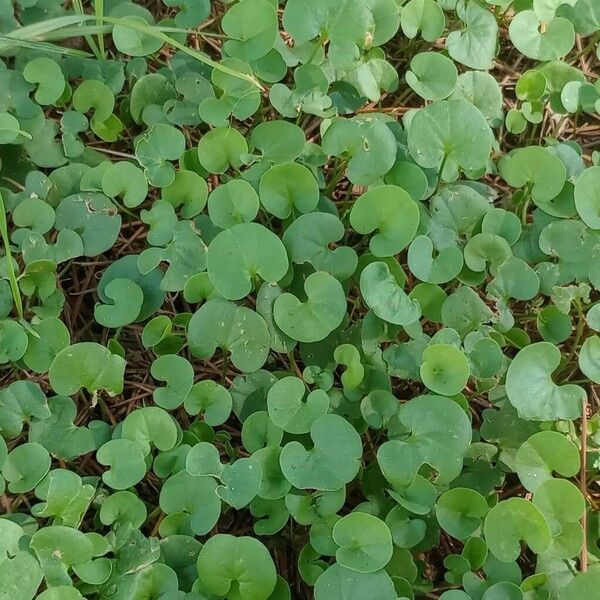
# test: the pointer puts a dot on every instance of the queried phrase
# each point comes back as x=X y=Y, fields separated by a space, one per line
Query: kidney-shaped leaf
x=385 y=297
x=587 y=197
x=242 y=255
x=544 y=453
x=460 y=511
x=440 y=435
x=235 y=329
x=453 y=133
x=87 y=365
x=289 y=409
x=390 y=211
x=315 y=319
x=308 y=240
x=333 y=461
x=365 y=542
x=150 y=426
x=340 y=583
x=532 y=392
x=513 y=520
x=445 y=369
x=238 y=567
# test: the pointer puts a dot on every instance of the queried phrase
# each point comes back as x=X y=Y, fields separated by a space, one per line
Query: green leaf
x=58 y=434
x=155 y=148
x=365 y=542
x=451 y=135
x=460 y=512
x=192 y=497
x=150 y=425
x=252 y=29
x=589 y=358
x=309 y=238
x=433 y=76
x=126 y=268
x=126 y=461
x=86 y=365
x=240 y=567
x=513 y=520
x=124 y=179
x=531 y=390
x=20 y=573
x=333 y=460
x=587 y=197
x=315 y=319
x=232 y=203
x=279 y=141
x=239 y=256
x=25 y=467
x=289 y=410
x=424 y=16
x=339 y=583
x=211 y=399
x=13 y=341
x=127 y=297
x=391 y=212
x=19 y=402
x=52 y=337
x=288 y=187
x=179 y=375
x=543 y=454
x=368 y=145
x=385 y=297
x=474 y=45
x=93 y=217
x=221 y=148
x=440 y=435
x=539 y=171
x=219 y=324
x=549 y=42
x=445 y=369
x=583 y=585
x=241 y=482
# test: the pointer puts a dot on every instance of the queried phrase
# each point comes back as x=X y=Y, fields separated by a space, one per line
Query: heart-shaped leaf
x=239 y=563
x=332 y=462
x=87 y=365
x=315 y=319
x=429 y=419
x=531 y=390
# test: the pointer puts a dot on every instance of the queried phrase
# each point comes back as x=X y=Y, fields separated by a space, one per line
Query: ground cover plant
x=299 y=300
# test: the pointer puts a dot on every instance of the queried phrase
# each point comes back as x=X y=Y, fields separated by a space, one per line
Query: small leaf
x=365 y=542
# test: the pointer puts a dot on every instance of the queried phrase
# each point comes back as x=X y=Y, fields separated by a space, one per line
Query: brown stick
x=583 y=562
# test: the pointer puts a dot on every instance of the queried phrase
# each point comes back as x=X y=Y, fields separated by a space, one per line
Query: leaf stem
x=225 y=368
x=578 y=334
x=12 y=278
x=439 y=177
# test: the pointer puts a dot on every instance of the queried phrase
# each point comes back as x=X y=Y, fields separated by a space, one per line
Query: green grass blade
x=7 y=43
x=78 y=6
x=54 y=25
x=31 y=32
x=156 y=33
x=99 y=10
